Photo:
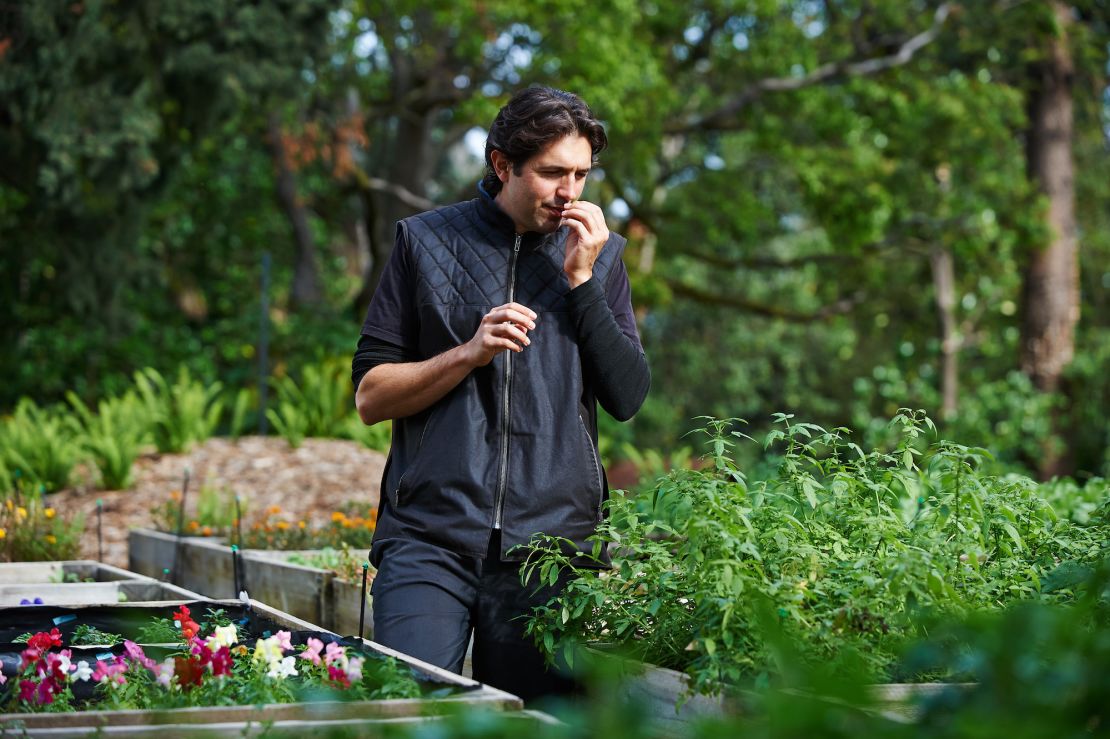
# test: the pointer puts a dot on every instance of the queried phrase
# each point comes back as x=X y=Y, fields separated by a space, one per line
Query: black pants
x=428 y=600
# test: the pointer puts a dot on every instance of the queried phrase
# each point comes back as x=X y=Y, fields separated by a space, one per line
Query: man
x=496 y=326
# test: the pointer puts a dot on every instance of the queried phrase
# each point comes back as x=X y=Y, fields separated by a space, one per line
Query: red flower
x=221 y=661
x=27 y=689
x=44 y=641
x=189 y=672
x=339 y=676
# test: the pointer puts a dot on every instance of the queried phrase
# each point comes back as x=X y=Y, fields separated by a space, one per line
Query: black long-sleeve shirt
x=612 y=360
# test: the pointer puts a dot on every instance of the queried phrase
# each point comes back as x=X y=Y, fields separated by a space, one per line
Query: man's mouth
x=554 y=211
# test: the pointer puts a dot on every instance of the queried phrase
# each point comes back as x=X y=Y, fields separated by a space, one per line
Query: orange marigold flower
x=207 y=531
x=338 y=516
x=301 y=524
x=274 y=510
x=194 y=525
x=49 y=512
x=282 y=525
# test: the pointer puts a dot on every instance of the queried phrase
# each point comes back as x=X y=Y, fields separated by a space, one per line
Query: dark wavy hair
x=534 y=118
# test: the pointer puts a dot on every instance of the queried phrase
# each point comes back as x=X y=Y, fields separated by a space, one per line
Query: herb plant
x=845 y=547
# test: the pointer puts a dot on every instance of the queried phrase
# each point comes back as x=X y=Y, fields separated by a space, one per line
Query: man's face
x=556 y=175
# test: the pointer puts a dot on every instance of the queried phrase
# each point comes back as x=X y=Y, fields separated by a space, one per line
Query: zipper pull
x=516 y=243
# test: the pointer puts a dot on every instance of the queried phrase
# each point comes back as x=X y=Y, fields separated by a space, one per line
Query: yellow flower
x=3 y=533
x=10 y=505
x=282 y=525
x=301 y=524
x=337 y=516
x=20 y=513
x=49 y=513
x=51 y=539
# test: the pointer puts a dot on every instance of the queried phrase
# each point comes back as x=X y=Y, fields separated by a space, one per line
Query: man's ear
x=501 y=165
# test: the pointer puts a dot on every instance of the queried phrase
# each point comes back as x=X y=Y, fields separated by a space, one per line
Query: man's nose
x=568 y=189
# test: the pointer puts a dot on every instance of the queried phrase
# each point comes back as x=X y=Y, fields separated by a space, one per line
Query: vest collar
x=500 y=221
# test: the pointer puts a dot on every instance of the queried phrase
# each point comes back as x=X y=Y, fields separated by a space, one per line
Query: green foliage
x=319 y=404
x=85 y=635
x=112 y=436
x=244 y=404
x=846 y=545
x=181 y=414
x=38 y=448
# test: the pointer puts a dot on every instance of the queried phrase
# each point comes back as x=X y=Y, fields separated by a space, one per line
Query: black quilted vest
x=514 y=443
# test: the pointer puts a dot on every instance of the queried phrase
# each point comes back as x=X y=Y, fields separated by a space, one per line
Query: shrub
x=112 y=436
x=180 y=414
x=318 y=405
x=847 y=546
x=38 y=448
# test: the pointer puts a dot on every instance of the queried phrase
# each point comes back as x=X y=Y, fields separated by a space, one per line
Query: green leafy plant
x=181 y=414
x=319 y=404
x=85 y=635
x=342 y=561
x=846 y=545
x=213 y=514
x=244 y=404
x=112 y=436
x=38 y=448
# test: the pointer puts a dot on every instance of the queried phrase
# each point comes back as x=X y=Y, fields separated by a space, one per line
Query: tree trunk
x=944 y=285
x=306 y=274
x=409 y=168
x=1051 y=291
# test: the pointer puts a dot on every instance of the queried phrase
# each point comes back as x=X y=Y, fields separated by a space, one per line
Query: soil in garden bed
x=307 y=483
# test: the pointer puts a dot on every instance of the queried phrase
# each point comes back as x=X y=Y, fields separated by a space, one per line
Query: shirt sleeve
x=392 y=315
x=613 y=358
x=370 y=353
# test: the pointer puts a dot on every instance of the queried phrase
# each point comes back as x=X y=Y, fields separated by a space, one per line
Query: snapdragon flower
x=312 y=650
x=81 y=671
x=268 y=651
x=223 y=636
x=285 y=667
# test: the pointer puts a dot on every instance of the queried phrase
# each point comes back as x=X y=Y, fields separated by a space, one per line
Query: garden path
x=309 y=483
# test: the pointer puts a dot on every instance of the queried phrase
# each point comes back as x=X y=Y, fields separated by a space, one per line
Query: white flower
x=165 y=672
x=81 y=671
x=222 y=636
x=354 y=669
x=284 y=668
x=268 y=651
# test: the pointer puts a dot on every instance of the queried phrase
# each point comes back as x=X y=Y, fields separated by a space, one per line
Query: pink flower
x=3 y=678
x=335 y=655
x=283 y=639
x=111 y=671
x=135 y=652
x=312 y=650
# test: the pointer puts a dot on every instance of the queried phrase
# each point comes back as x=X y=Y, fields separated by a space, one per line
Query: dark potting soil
x=128 y=621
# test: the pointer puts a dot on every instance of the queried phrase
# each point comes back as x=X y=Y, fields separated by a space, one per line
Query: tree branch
x=723 y=117
x=836 y=308
x=365 y=182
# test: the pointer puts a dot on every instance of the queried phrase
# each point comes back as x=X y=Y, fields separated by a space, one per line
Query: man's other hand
x=504 y=327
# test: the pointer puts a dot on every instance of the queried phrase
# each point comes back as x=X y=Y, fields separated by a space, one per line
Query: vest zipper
x=503 y=471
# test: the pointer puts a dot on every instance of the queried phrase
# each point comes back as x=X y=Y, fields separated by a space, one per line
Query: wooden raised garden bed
x=204 y=565
x=441 y=692
x=79 y=582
